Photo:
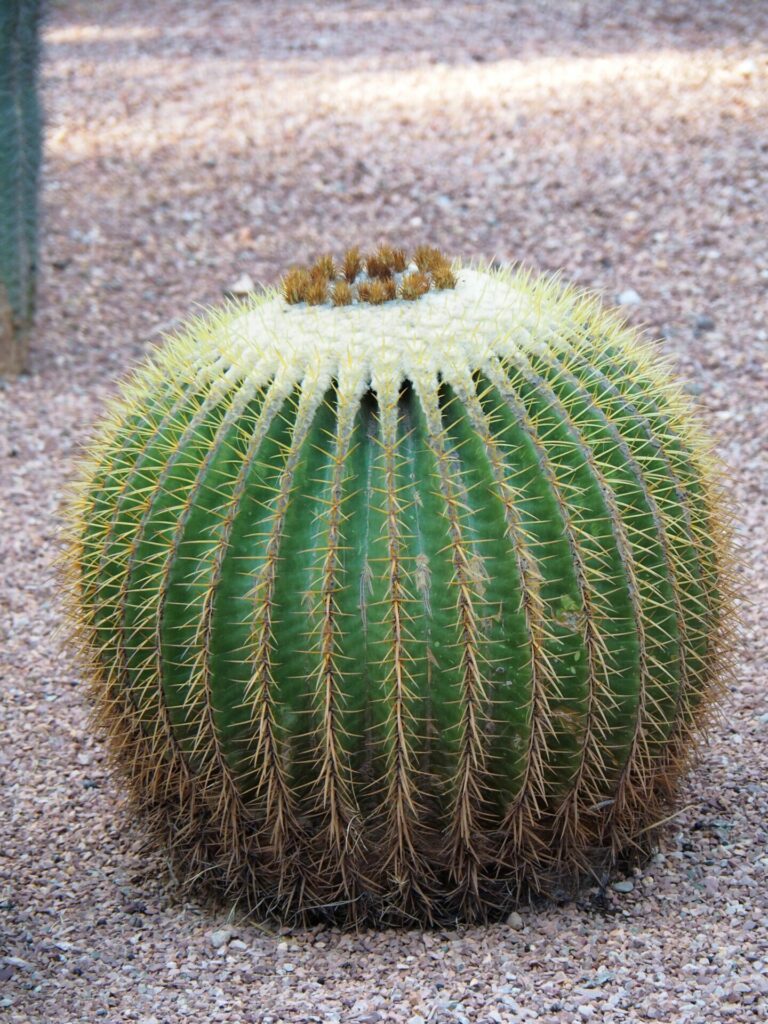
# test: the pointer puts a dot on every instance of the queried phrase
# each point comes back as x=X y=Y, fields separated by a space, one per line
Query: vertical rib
x=636 y=777
x=403 y=862
x=465 y=827
x=282 y=826
x=523 y=816
x=340 y=827
x=151 y=556
x=568 y=480
x=222 y=478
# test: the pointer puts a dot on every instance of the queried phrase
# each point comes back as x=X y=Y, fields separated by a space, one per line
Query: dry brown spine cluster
x=380 y=276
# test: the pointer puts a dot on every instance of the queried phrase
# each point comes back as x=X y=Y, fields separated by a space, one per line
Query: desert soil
x=189 y=143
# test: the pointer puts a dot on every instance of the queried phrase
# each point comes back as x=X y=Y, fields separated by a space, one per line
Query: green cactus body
x=402 y=608
x=20 y=156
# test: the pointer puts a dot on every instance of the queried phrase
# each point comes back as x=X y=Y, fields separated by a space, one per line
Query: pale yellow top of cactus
x=490 y=314
x=452 y=332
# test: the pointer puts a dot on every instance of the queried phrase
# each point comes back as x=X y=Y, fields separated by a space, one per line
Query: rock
x=243 y=286
x=627 y=885
x=238 y=944
x=515 y=921
x=746 y=68
x=601 y=978
x=628 y=297
x=220 y=937
x=703 y=323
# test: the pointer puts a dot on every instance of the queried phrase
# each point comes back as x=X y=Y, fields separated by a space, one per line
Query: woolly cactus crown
x=451 y=332
x=403 y=591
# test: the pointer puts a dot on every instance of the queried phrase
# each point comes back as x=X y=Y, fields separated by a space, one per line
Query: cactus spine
x=402 y=609
x=20 y=155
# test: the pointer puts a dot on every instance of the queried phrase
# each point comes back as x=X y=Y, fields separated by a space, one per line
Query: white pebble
x=624 y=886
x=220 y=937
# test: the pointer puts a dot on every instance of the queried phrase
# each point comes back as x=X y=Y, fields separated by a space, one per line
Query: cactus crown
x=367 y=329
x=401 y=607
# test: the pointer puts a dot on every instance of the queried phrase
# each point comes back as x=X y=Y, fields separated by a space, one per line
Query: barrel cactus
x=404 y=590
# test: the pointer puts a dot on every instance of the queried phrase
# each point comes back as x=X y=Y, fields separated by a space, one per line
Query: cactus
x=20 y=155
x=402 y=609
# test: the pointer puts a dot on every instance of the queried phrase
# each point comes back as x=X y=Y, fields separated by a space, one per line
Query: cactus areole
x=403 y=592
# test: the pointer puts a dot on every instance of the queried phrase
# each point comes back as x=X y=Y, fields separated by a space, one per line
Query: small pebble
x=515 y=921
x=704 y=323
x=629 y=297
x=220 y=937
x=243 y=286
x=624 y=886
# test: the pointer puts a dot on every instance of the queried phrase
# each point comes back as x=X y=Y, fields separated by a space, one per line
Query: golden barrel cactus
x=403 y=591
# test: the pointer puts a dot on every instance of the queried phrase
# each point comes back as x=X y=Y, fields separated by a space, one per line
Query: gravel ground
x=189 y=143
